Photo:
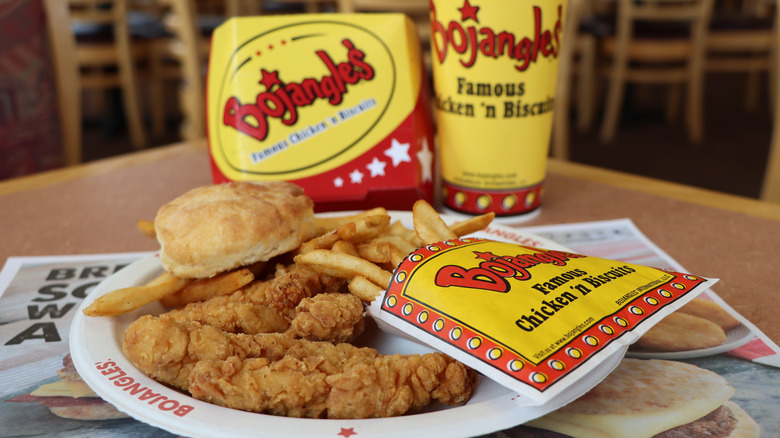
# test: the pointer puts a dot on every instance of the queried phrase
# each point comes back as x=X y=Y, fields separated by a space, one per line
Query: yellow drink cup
x=495 y=65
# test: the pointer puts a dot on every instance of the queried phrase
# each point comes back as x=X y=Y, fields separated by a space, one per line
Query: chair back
x=411 y=7
x=97 y=11
x=103 y=39
x=187 y=46
x=659 y=41
x=66 y=72
x=770 y=190
x=417 y=10
x=692 y=17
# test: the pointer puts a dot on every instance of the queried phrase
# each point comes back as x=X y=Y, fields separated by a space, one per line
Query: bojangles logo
x=492 y=272
x=471 y=41
x=282 y=100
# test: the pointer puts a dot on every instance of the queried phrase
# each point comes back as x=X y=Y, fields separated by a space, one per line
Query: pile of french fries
x=364 y=249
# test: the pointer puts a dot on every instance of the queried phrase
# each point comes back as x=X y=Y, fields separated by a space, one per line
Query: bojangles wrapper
x=336 y=103
x=540 y=322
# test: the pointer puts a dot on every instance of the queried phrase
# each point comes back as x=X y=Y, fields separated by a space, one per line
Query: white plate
x=735 y=338
x=95 y=341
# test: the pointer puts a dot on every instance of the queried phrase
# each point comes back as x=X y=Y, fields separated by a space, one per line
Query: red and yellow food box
x=336 y=103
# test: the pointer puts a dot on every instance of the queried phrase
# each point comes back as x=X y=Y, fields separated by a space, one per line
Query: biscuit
x=711 y=311
x=728 y=421
x=641 y=398
x=682 y=332
x=216 y=228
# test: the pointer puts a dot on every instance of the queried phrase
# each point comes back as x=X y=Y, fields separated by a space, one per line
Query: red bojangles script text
x=471 y=41
x=128 y=384
x=282 y=100
x=492 y=272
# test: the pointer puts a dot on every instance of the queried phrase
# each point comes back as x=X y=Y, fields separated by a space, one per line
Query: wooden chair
x=742 y=43
x=66 y=72
x=239 y=8
x=658 y=56
x=417 y=10
x=108 y=61
x=771 y=187
x=312 y=6
x=577 y=61
x=180 y=57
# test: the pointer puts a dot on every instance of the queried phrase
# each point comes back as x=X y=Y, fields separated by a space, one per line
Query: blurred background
x=687 y=100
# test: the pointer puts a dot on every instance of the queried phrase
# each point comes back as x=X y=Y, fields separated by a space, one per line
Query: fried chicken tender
x=233 y=317
x=281 y=293
x=396 y=384
x=276 y=373
x=166 y=349
x=335 y=317
x=328 y=317
x=289 y=285
x=308 y=386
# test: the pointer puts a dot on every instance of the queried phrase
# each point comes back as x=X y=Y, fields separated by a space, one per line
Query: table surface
x=94 y=208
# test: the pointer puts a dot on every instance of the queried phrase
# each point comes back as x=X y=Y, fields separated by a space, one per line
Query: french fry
x=364 y=288
x=345 y=247
x=397 y=255
x=332 y=223
x=347 y=231
x=428 y=225
x=146 y=227
x=365 y=228
x=203 y=289
x=398 y=229
x=343 y=265
x=472 y=224
x=375 y=251
x=324 y=241
x=402 y=244
x=131 y=298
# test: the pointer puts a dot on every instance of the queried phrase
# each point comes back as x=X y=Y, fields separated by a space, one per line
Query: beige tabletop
x=94 y=208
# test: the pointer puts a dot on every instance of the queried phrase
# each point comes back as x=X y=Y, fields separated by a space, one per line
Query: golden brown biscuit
x=641 y=398
x=215 y=228
x=682 y=332
x=711 y=311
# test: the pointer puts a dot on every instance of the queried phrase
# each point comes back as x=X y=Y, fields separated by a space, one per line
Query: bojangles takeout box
x=336 y=103
x=549 y=324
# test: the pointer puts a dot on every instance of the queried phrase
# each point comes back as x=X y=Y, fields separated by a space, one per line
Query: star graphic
x=484 y=255
x=356 y=177
x=398 y=152
x=425 y=157
x=270 y=79
x=376 y=167
x=468 y=12
x=338 y=182
x=347 y=432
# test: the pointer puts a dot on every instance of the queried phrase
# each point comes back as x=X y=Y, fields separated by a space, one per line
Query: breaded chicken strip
x=166 y=350
x=335 y=317
x=328 y=317
x=289 y=285
x=397 y=384
x=233 y=317
x=306 y=387
x=278 y=374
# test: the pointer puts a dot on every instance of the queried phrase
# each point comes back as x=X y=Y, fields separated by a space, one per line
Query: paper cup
x=495 y=66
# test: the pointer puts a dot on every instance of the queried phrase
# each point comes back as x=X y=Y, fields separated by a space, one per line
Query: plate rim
x=701 y=352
